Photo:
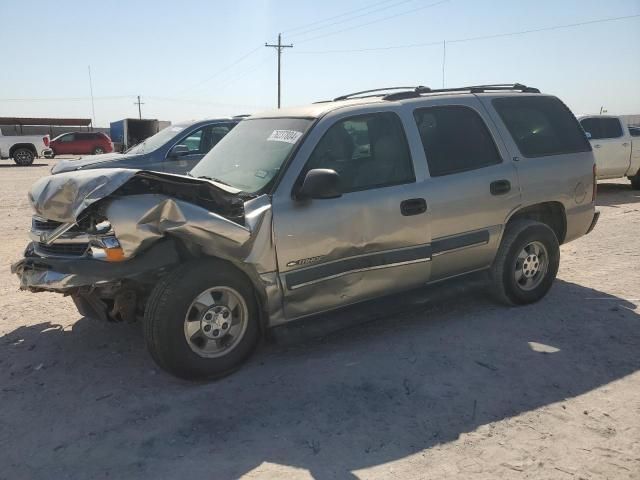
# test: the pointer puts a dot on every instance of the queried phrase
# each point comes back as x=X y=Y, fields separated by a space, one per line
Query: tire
x=23 y=157
x=171 y=317
x=512 y=273
x=98 y=151
x=635 y=182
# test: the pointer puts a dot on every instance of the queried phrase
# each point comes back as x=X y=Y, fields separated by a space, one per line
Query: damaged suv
x=304 y=210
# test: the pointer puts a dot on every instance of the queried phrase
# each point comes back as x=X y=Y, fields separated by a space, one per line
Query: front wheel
x=635 y=182
x=23 y=157
x=526 y=263
x=98 y=151
x=201 y=320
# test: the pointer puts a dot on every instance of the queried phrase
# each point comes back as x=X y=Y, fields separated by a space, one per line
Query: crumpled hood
x=89 y=161
x=64 y=196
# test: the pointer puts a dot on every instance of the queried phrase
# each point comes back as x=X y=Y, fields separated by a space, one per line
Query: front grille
x=63 y=249
x=41 y=224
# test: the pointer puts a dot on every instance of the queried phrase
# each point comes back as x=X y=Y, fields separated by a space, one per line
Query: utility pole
x=93 y=108
x=279 y=47
x=139 y=103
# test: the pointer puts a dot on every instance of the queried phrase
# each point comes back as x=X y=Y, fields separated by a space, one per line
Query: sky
x=204 y=59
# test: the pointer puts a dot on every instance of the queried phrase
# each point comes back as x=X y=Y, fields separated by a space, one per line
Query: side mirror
x=179 y=151
x=588 y=134
x=320 y=183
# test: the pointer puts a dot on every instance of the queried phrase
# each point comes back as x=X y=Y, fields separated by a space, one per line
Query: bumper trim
x=64 y=274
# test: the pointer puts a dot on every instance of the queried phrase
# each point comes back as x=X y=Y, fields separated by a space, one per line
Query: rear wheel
x=23 y=157
x=201 y=320
x=635 y=182
x=526 y=263
x=98 y=151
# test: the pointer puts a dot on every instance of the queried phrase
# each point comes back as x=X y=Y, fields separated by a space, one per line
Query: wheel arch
x=552 y=214
x=188 y=251
x=29 y=146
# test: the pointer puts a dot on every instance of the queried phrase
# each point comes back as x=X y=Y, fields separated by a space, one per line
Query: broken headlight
x=104 y=245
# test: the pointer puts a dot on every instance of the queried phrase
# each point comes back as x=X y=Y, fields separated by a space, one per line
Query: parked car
x=290 y=216
x=617 y=155
x=175 y=149
x=24 y=149
x=81 y=143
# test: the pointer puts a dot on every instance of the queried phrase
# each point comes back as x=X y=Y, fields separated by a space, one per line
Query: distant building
x=44 y=126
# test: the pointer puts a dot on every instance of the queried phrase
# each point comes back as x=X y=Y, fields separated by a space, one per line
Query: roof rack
x=412 y=92
x=419 y=88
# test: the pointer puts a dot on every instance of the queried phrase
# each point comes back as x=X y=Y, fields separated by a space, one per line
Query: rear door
x=372 y=240
x=473 y=184
x=611 y=147
x=84 y=143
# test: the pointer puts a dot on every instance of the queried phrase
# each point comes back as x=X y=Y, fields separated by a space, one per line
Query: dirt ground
x=441 y=383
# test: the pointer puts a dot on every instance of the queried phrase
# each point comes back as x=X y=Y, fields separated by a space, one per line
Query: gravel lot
x=441 y=383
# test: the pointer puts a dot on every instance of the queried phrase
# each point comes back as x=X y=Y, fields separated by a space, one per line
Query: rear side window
x=455 y=139
x=602 y=127
x=541 y=126
x=634 y=131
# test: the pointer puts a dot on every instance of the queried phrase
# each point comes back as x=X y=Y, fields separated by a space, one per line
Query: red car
x=81 y=143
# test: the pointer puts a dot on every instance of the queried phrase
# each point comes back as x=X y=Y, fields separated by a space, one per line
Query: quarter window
x=368 y=151
x=602 y=127
x=455 y=139
x=541 y=126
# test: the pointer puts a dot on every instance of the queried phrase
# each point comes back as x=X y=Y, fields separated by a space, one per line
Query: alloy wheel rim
x=215 y=322
x=531 y=266
x=23 y=157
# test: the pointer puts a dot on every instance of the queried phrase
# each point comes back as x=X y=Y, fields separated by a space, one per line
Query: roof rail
x=419 y=88
x=518 y=87
x=412 y=92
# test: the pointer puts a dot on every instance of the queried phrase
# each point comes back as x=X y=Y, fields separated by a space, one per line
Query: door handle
x=413 y=206
x=597 y=145
x=625 y=144
x=500 y=187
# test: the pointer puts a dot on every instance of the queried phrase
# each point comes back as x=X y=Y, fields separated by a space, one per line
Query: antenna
x=93 y=108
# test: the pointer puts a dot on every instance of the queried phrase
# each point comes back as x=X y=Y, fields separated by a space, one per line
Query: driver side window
x=193 y=141
x=367 y=151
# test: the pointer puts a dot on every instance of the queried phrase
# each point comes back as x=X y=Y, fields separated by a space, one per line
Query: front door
x=66 y=144
x=372 y=240
x=610 y=147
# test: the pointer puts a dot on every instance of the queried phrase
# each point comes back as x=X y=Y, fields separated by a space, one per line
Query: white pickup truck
x=23 y=148
x=612 y=141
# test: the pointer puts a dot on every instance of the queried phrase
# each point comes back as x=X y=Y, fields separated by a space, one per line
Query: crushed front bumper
x=63 y=275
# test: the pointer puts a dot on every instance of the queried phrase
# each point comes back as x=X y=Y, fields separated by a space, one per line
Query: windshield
x=251 y=155
x=156 y=141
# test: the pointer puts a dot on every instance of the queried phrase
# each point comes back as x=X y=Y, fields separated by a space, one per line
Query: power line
x=350 y=19
x=63 y=99
x=336 y=16
x=221 y=71
x=374 y=21
x=469 y=39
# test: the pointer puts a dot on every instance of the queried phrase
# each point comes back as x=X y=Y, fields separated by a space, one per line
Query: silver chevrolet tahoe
x=304 y=210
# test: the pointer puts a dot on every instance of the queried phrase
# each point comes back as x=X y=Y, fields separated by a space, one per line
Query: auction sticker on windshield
x=288 y=136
